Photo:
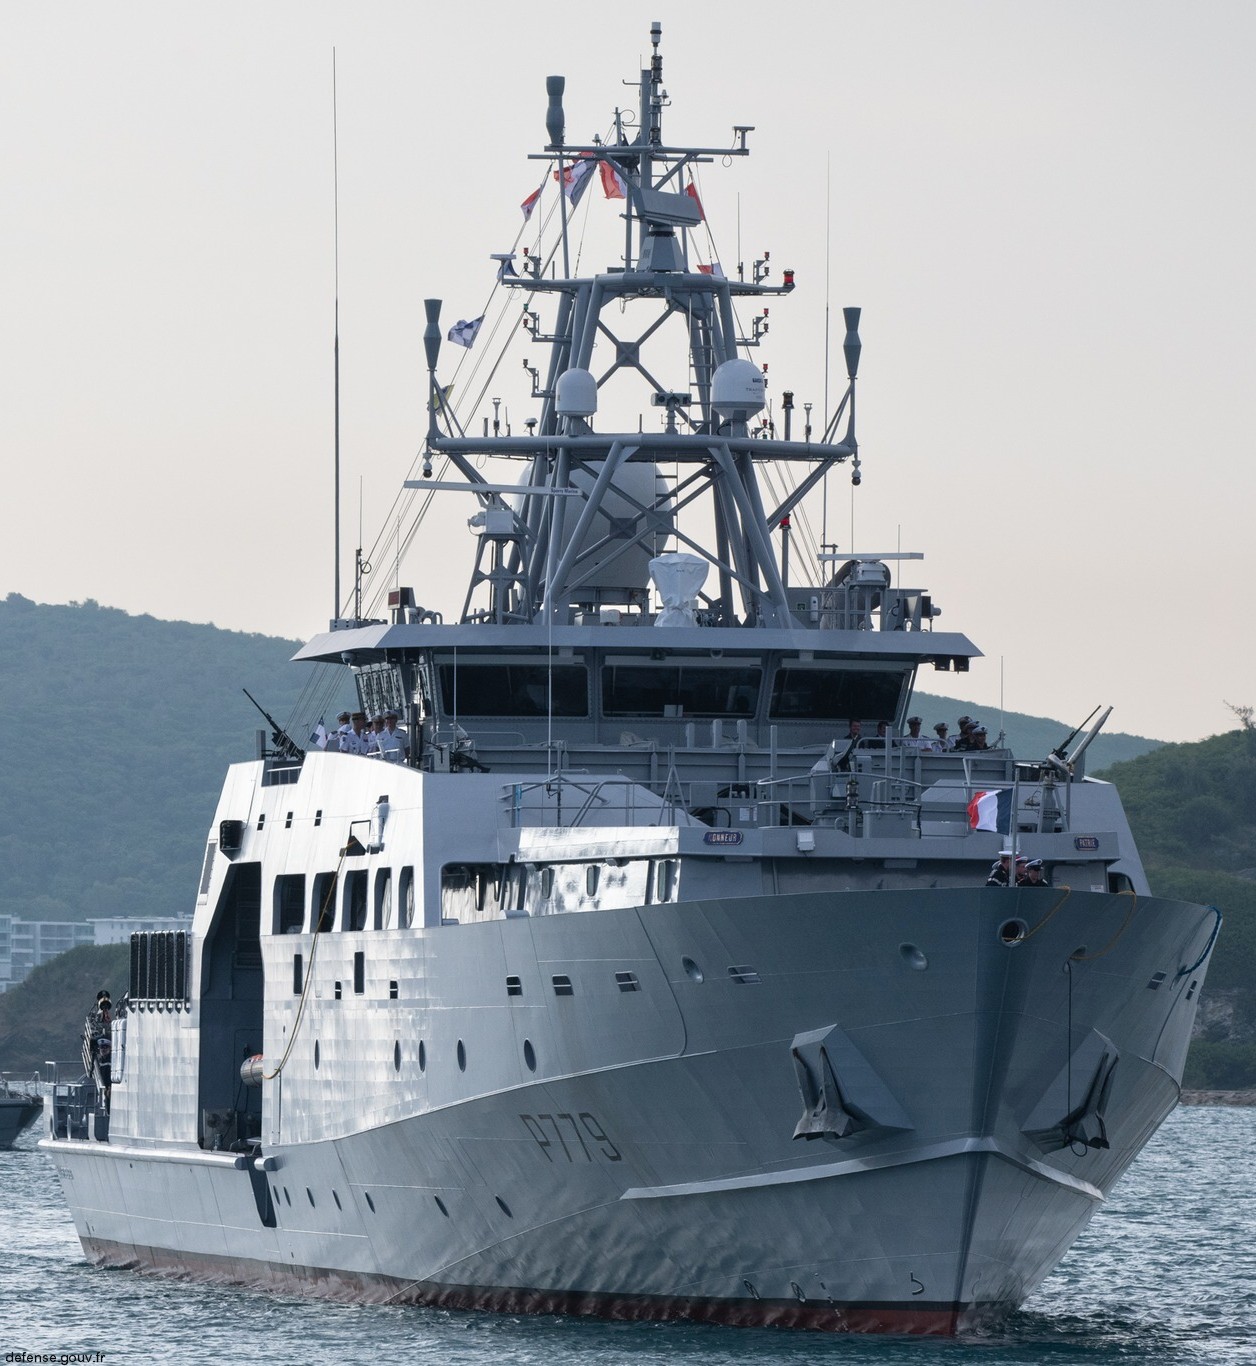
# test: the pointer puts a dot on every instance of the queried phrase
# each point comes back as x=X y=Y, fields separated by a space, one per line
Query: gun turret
x=282 y=741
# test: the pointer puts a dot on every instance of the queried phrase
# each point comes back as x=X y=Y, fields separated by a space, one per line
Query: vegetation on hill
x=41 y=1019
x=133 y=723
x=1193 y=811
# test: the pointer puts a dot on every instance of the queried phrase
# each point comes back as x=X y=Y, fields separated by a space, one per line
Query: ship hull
x=671 y=1185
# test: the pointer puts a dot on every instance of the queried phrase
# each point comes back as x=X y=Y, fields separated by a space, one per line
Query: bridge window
x=836 y=694
x=680 y=690
x=506 y=689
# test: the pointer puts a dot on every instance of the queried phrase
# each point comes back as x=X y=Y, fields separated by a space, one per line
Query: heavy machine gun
x=283 y=742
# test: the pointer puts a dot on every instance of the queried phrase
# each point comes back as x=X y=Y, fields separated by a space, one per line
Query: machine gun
x=1060 y=752
x=1061 y=760
x=282 y=741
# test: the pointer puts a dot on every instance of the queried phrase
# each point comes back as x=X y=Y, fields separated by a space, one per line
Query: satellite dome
x=738 y=390
x=576 y=394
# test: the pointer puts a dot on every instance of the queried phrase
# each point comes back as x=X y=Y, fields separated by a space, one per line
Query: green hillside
x=41 y=1019
x=1193 y=811
x=130 y=724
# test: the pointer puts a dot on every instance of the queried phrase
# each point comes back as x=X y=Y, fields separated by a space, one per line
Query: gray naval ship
x=637 y=985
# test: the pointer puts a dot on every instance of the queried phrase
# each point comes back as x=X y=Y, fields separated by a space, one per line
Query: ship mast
x=582 y=504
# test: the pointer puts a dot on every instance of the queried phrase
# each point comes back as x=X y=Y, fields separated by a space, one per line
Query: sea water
x=1164 y=1274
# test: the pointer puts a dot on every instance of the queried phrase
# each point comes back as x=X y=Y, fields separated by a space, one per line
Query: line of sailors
x=972 y=736
x=1029 y=871
x=383 y=739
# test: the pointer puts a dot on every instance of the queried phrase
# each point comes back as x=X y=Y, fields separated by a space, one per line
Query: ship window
x=323 y=902
x=514 y=986
x=744 y=976
x=547 y=883
x=665 y=881
x=298 y=974
x=679 y=689
x=591 y=875
x=462 y=1056
x=627 y=981
x=468 y=892
x=383 y=899
x=392 y=989
x=406 y=900
x=359 y=973
x=289 y=903
x=563 y=986
x=353 y=916
x=506 y=689
x=836 y=694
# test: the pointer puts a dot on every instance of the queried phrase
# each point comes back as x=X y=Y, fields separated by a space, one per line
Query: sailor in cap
x=913 y=739
x=1033 y=874
x=942 y=743
x=354 y=740
x=393 y=744
x=1001 y=870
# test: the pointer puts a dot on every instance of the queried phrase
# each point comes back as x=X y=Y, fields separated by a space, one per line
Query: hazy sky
x=1044 y=210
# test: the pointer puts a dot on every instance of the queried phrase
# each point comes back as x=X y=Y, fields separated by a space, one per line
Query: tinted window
x=833 y=694
x=514 y=689
x=679 y=690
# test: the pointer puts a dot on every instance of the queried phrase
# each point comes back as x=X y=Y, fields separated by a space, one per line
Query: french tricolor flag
x=991 y=811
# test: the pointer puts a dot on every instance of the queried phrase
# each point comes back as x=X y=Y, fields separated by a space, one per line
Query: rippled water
x=1166 y=1273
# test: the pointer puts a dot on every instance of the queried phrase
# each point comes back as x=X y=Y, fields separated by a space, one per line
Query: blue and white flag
x=318 y=736
x=464 y=332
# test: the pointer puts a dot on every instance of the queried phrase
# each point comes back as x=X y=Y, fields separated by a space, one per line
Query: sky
x=1046 y=213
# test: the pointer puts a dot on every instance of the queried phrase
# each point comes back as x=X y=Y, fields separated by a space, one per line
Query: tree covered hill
x=1193 y=811
x=128 y=725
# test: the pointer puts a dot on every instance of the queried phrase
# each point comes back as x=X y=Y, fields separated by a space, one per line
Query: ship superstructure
x=643 y=985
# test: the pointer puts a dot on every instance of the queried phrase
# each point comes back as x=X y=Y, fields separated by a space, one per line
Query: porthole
x=286 y=1196
x=397 y=1056
x=316 y=1055
x=591 y=875
x=1013 y=931
x=369 y=1201
x=462 y=1056
x=1076 y=956
x=503 y=1206
x=529 y=1055
x=336 y=1198
x=913 y=957
x=422 y=1056
x=309 y=1195
x=692 y=970
x=440 y=1205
